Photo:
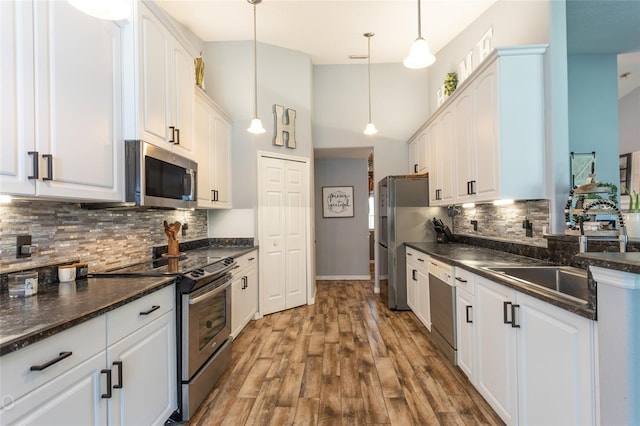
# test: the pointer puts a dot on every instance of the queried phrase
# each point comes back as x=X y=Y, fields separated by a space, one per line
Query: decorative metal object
x=285 y=126
x=199 y=66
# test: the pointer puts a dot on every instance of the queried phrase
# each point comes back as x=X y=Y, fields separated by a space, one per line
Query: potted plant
x=633 y=217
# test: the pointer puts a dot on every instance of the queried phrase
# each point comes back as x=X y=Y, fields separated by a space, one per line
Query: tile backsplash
x=504 y=223
x=106 y=239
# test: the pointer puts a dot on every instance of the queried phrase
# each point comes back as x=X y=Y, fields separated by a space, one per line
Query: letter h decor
x=285 y=126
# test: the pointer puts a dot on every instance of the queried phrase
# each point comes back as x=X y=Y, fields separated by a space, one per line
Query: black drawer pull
x=462 y=280
x=251 y=259
x=469 y=320
x=414 y=275
x=49 y=159
x=108 y=373
x=514 y=324
x=177 y=136
x=48 y=364
x=36 y=167
x=153 y=309
x=173 y=134
x=119 y=364
x=505 y=312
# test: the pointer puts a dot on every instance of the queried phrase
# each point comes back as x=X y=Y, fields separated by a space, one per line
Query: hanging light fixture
x=419 y=55
x=113 y=10
x=370 y=129
x=256 y=125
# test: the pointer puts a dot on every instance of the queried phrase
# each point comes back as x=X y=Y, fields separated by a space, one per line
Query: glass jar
x=23 y=284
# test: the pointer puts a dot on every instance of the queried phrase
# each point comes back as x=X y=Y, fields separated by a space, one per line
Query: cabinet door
x=465 y=153
x=465 y=333
x=155 y=75
x=183 y=83
x=413 y=157
x=238 y=307
x=423 y=153
x=222 y=161
x=446 y=157
x=555 y=365
x=412 y=286
x=495 y=348
x=73 y=398
x=204 y=148
x=16 y=97
x=251 y=290
x=424 y=304
x=486 y=134
x=148 y=370
x=433 y=135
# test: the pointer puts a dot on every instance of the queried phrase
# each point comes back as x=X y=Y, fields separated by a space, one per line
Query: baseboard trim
x=343 y=277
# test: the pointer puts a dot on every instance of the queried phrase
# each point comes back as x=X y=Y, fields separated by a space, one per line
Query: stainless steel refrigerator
x=405 y=216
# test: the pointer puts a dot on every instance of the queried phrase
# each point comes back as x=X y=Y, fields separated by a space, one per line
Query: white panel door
x=272 y=244
x=486 y=133
x=283 y=241
x=296 y=195
x=465 y=333
x=183 y=94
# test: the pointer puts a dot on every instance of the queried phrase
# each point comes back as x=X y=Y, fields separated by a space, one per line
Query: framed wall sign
x=337 y=201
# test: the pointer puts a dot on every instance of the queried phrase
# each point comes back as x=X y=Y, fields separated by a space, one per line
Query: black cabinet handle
x=415 y=168
x=505 y=312
x=420 y=260
x=153 y=309
x=48 y=364
x=251 y=259
x=49 y=159
x=469 y=319
x=473 y=187
x=215 y=195
x=119 y=365
x=413 y=275
x=173 y=134
x=34 y=162
x=108 y=373
x=469 y=188
x=514 y=324
x=462 y=280
x=177 y=136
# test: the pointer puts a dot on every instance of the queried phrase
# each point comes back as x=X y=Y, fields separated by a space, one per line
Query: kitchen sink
x=565 y=280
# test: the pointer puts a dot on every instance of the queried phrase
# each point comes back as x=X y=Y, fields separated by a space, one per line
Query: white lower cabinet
x=418 y=285
x=534 y=362
x=77 y=377
x=244 y=292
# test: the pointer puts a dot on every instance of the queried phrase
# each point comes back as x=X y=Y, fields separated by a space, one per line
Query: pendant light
x=370 y=129
x=419 y=55
x=256 y=125
x=113 y=10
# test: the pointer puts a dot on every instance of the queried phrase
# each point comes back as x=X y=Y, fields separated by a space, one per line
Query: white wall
x=628 y=118
x=284 y=78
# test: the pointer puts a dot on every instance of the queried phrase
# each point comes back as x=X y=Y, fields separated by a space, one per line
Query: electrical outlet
x=23 y=241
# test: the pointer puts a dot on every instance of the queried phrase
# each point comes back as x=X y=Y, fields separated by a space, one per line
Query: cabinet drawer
x=82 y=341
x=464 y=279
x=246 y=260
x=132 y=316
x=418 y=259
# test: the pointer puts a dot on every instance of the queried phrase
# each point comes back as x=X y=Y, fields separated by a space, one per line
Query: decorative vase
x=632 y=220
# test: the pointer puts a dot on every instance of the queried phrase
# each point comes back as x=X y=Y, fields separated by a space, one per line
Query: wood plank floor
x=345 y=360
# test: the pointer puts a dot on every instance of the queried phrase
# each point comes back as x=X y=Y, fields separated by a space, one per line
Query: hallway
x=345 y=360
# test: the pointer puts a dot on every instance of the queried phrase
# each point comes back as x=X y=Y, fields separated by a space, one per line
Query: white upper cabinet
x=493 y=145
x=418 y=153
x=212 y=135
x=166 y=79
x=61 y=103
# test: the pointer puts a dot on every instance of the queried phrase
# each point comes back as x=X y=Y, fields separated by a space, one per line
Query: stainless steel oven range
x=204 y=329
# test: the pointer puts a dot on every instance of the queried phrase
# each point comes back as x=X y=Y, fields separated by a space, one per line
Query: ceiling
x=330 y=30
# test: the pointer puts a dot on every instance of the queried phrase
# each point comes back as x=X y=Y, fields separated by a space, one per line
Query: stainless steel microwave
x=158 y=178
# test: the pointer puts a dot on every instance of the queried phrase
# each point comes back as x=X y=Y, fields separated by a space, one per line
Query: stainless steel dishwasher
x=442 y=294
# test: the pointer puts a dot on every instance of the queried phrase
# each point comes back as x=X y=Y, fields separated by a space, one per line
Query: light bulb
x=370 y=129
x=419 y=55
x=256 y=127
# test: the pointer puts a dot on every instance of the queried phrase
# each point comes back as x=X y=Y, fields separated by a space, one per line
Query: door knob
x=276 y=243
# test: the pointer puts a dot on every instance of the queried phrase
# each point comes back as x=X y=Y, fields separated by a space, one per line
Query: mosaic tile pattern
x=504 y=223
x=105 y=239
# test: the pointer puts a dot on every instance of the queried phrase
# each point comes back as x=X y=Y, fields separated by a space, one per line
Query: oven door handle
x=209 y=294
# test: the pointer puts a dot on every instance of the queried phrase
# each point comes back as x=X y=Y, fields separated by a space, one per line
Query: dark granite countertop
x=60 y=306
x=474 y=258
x=26 y=320
x=626 y=262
